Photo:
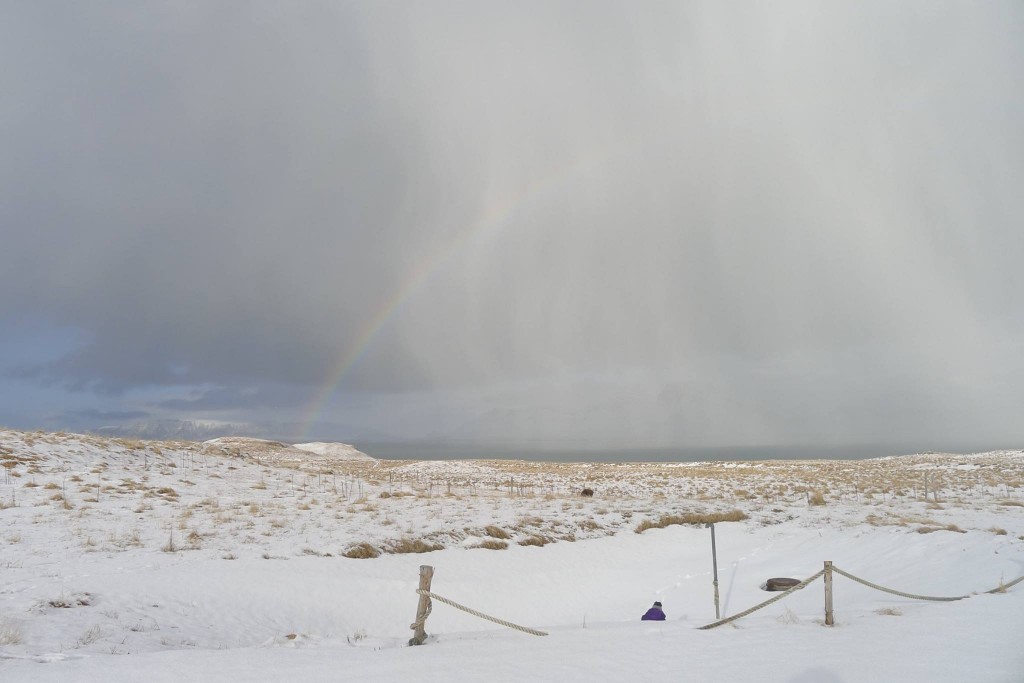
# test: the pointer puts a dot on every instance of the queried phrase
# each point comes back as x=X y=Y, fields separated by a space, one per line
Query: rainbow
x=495 y=220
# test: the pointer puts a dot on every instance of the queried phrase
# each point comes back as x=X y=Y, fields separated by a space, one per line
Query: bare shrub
x=90 y=636
x=788 y=616
x=361 y=551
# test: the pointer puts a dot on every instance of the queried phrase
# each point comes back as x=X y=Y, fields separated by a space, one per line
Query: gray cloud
x=108 y=415
x=670 y=224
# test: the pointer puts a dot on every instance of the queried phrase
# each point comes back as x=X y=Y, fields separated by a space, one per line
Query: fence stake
x=828 y=593
x=714 y=564
x=420 y=634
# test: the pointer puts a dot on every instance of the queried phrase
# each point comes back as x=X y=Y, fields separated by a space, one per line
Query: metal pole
x=829 y=618
x=714 y=564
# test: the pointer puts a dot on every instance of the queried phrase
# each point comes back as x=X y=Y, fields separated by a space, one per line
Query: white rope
x=763 y=604
x=419 y=622
x=509 y=624
x=914 y=596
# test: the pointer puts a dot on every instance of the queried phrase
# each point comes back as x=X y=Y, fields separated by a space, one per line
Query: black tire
x=780 y=584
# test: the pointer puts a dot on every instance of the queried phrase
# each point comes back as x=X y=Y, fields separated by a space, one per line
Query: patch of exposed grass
x=691 y=518
x=496 y=532
x=410 y=545
x=889 y=611
x=361 y=551
x=10 y=633
x=948 y=527
x=492 y=544
x=535 y=540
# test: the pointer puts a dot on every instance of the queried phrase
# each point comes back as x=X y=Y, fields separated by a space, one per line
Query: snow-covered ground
x=129 y=561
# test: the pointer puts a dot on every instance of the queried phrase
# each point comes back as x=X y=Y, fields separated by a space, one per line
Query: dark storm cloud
x=222 y=398
x=685 y=223
x=108 y=415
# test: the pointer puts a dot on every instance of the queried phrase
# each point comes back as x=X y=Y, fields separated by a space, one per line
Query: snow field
x=238 y=573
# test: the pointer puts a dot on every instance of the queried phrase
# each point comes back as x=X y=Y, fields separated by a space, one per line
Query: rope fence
x=426 y=596
x=767 y=602
x=475 y=613
x=998 y=589
x=1002 y=588
x=510 y=625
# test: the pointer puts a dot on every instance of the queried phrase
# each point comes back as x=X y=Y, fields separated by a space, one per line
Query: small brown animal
x=587 y=492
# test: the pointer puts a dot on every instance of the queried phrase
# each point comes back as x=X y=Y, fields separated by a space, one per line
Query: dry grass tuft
x=948 y=527
x=361 y=551
x=409 y=545
x=492 y=544
x=816 y=498
x=10 y=633
x=691 y=518
x=496 y=532
x=535 y=540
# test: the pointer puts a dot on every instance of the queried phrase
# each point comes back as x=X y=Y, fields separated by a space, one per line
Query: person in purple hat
x=654 y=614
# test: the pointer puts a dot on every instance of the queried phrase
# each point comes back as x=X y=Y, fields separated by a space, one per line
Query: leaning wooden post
x=828 y=593
x=423 y=607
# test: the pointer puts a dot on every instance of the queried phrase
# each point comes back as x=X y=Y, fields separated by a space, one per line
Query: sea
x=442 y=451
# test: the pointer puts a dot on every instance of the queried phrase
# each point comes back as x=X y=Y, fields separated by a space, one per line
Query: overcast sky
x=549 y=224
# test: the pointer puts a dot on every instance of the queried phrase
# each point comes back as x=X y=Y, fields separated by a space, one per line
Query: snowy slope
x=340 y=451
x=128 y=561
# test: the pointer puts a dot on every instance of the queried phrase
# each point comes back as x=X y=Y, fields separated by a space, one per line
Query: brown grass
x=410 y=545
x=496 y=532
x=535 y=540
x=361 y=551
x=492 y=544
x=692 y=518
x=948 y=527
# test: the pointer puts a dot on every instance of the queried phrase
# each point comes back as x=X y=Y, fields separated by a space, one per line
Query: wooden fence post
x=420 y=634
x=828 y=593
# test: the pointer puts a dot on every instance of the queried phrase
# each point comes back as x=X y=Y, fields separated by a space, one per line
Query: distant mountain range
x=182 y=430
